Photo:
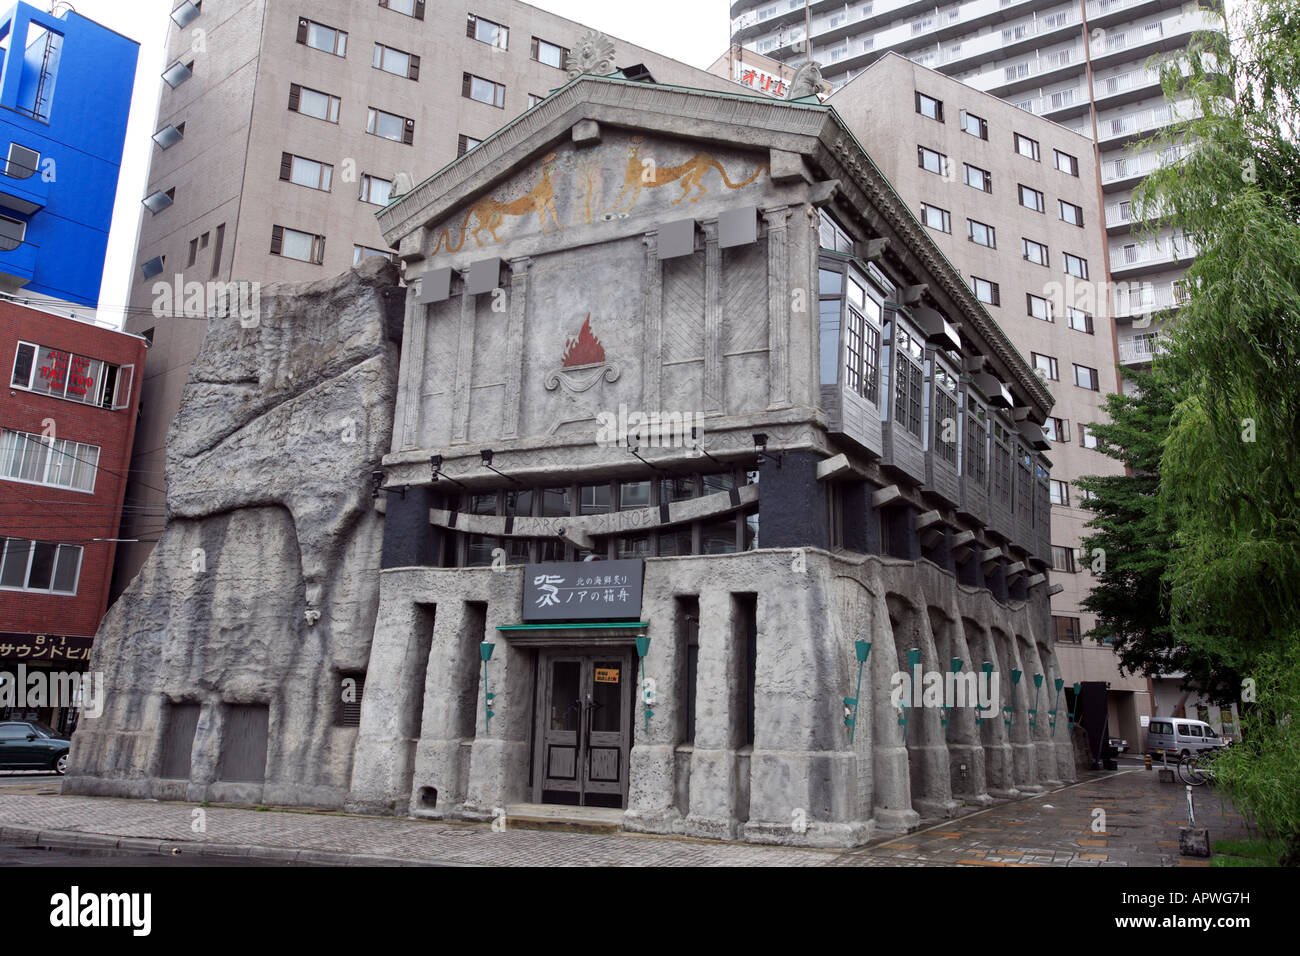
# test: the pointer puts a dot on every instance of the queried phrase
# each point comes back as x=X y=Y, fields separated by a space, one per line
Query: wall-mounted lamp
x=435 y=472
x=485 y=653
x=1056 y=705
x=987 y=668
x=642 y=646
x=486 y=454
x=1074 y=714
x=1033 y=713
x=697 y=444
x=1011 y=710
x=633 y=450
x=760 y=446
x=955 y=666
x=861 y=649
x=913 y=659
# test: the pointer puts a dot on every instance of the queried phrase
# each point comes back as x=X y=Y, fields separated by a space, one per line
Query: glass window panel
x=634 y=494
x=35 y=458
x=11 y=444
x=830 y=282
x=483 y=504
x=750 y=531
x=715 y=483
x=314 y=103
x=478 y=550
x=830 y=341
x=519 y=502
x=42 y=570
x=634 y=546
x=297 y=245
x=594 y=499
x=718 y=536
x=65 y=573
x=675 y=542
x=557 y=502
x=566 y=676
x=13 y=572
x=676 y=489
x=24 y=359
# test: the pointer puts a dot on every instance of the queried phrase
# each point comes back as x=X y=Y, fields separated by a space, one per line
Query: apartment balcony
x=1137 y=258
x=1124 y=172
x=1136 y=43
x=1143 y=300
x=22 y=187
x=17 y=262
x=1120 y=87
x=1056 y=105
x=1140 y=350
x=1114 y=131
x=1105 y=13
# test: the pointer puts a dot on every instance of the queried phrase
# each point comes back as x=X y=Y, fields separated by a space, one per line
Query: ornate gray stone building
x=699 y=450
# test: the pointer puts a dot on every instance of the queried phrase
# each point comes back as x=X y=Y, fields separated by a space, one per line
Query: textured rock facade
x=226 y=655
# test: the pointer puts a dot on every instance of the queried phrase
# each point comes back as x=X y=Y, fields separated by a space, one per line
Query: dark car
x=32 y=745
x=1118 y=744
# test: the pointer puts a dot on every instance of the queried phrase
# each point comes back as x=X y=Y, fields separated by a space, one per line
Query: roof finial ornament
x=808 y=81
x=593 y=54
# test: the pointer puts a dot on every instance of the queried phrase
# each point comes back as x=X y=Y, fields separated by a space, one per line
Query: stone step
x=549 y=816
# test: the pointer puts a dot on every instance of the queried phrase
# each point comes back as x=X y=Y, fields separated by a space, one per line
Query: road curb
x=77 y=839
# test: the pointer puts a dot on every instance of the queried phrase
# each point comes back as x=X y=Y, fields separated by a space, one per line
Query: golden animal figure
x=490 y=213
x=690 y=174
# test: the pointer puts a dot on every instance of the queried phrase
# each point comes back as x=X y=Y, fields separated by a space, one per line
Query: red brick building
x=67 y=421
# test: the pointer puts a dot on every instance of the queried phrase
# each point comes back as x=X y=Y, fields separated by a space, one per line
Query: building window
x=177 y=73
x=396 y=62
x=485 y=91
x=155 y=202
x=153 y=267
x=1067 y=629
x=23 y=163
x=1031 y=198
x=1066 y=163
x=980 y=233
x=936 y=218
x=1026 y=147
x=1076 y=266
x=534 y=99
x=390 y=126
x=1080 y=321
x=1086 y=377
x=305 y=172
x=320 y=37
x=862 y=342
x=1046 y=366
x=1057 y=429
x=1071 y=213
x=360 y=253
x=375 y=190
x=976 y=438
x=77 y=378
x=978 y=178
x=549 y=53
x=293 y=244
x=1086 y=438
x=975 y=125
x=945 y=413
x=40 y=566
x=486 y=31
x=986 y=291
x=1063 y=559
x=169 y=136
x=412 y=8
x=1039 y=307
x=929 y=106
x=465 y=143
x=1059 y=491
x=908 y=379
x=928 y=159
x=41 y=461
x=1034 y=252
x=311 y=102
x=187 y=12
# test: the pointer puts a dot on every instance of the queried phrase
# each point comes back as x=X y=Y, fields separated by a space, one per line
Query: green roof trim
x=569 y=627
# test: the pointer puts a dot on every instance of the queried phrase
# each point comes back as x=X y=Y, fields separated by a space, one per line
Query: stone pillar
x=406 y=417
x=514 y=364
x=1024 y=754
x=965 y=751
x=714 y=399
x=651 y=799
x=652 y=320
x=460 y=397
x=718 y=722
x=926 y=747
x=998 y=761
x=205 y=757
x=893 y=789
x=778 y=306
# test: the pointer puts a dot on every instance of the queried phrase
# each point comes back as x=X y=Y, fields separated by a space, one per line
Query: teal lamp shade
x=485 y=651
x=1015 y=677
x=987 y=668
x=955 y=664
x=862 y=649
x=1038 y=680
x=642 y=646
x=1059 y=683
x=913 y=657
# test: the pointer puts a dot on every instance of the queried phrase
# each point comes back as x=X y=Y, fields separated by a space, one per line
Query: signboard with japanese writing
x=44 y=647
x=761 y=80
x=583 y=591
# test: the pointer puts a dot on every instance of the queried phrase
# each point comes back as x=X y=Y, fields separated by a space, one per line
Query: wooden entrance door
x=584 y=728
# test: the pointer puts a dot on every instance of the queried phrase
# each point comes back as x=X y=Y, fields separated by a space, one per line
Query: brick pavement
x=1055 y=829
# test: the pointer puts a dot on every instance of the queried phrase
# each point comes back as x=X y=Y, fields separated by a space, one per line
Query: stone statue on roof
x=593 y=54
x=807 y=81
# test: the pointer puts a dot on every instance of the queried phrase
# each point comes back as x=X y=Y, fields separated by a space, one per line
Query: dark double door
x=583 y=728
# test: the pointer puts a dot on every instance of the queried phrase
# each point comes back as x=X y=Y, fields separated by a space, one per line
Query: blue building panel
x=65 y=95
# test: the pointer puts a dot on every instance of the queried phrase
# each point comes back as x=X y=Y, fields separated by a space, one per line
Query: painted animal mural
x=490 y=213
x=641 y=175
x=579 y=174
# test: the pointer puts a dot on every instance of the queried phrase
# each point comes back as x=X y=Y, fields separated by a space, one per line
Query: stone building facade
x=684 y=356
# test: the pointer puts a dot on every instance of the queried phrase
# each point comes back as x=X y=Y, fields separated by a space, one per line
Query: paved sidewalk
x=1142 y=818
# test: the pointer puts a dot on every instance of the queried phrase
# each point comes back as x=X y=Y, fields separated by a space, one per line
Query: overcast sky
x=672 y=27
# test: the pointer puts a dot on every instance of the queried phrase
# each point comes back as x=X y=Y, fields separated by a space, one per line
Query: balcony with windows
x=1141 y=300
x=1125 y=171
x=1118 y=129
x=23 y=190
x=1141 y=348
x=1152 y=255
x=1141 y=40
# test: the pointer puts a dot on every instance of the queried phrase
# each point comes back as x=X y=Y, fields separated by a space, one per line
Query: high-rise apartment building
x=1084 y=64
x=281 y=127
x=1006 y=197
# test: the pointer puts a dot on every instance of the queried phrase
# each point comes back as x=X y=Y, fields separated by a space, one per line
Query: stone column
x=652 y=319
x=514 y=366
x=406 y=417
x=893 y=789
x=714 y=400
x=998 y=761
x=651 y=800
x=464 y=363
x=778 y=306
x=964 y=747
x=1023 y=752
x=717 y=715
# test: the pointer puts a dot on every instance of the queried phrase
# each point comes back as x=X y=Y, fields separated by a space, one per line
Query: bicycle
x=1196 y=769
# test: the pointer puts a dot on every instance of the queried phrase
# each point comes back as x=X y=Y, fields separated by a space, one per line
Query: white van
x=1178 y=735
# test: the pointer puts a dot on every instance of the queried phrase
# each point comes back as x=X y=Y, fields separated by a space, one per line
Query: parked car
x=1177 y=736
x=1118 y=744
x=32 y=745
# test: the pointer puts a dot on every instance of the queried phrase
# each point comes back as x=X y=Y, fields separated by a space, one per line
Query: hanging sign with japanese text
x=583 y=591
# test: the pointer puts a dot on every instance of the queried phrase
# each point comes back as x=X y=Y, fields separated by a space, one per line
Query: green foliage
x=1261 y=770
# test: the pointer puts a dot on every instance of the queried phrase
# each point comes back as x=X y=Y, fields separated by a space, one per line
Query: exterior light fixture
x=1010 y=711
x=1056 y=706
x=697 y=446
x=987 y=668
x=1033 y=713
x=435 y=472
x=1074 y=714
x=946 y=720
x=913 y=659
x=642 y=647
x=760 y=445
x=486 y=454
x=485 y=653
x=861 y=649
